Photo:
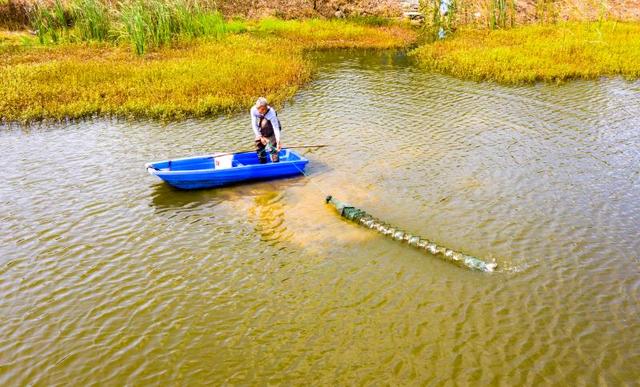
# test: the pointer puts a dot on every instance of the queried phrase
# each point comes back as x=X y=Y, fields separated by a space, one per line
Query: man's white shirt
x=271 y=116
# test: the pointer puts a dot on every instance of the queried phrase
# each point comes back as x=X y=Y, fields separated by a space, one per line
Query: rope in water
x=309 y=179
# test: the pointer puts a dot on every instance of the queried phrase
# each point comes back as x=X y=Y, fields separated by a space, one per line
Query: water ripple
x=110 y=277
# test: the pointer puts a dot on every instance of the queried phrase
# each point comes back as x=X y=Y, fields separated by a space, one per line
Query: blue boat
x=224 y=169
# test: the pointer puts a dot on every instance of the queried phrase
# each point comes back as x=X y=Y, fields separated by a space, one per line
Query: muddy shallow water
x=109 y=276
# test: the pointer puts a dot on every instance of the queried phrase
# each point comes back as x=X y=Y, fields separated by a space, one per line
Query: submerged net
x=363 y=218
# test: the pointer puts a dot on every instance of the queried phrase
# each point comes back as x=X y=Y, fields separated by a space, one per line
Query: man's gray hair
x=262 y=101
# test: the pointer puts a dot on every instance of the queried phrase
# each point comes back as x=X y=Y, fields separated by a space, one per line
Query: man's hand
x=263 y=140
x=279 y=146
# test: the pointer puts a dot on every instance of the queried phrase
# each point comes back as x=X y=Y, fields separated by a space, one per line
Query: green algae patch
x=528 y=54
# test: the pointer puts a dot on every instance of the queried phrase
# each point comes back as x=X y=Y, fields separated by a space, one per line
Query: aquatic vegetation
x=534 y=53
x=372 y=20
x=445 y=16
x=187 y=59
x=14 y=14
x=441 y=16
x=191 y=78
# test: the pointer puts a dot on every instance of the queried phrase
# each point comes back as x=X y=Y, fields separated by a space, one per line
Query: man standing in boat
x=266 y=128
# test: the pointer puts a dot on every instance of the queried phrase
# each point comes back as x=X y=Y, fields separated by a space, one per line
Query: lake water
x=109 y=276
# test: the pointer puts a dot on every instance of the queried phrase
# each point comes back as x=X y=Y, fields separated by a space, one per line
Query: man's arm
x=254 y=124
x=275 y=123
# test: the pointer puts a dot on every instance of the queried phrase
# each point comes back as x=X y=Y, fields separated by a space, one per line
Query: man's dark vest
x=267 y=129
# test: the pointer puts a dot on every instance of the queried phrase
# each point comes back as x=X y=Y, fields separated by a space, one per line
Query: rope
x=315 y=186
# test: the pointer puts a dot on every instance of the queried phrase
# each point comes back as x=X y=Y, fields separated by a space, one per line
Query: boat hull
x=202 y=172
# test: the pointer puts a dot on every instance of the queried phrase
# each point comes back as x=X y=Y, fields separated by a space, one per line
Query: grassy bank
x=195 y=80
x=532 y=53
x=193 y=77
x=150 y=24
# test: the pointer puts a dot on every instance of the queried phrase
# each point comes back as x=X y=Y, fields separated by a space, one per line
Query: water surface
x=108 y=276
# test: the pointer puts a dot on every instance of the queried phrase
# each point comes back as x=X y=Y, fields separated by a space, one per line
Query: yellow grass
x=202 y=77
x=552 y=53
x=336 y=33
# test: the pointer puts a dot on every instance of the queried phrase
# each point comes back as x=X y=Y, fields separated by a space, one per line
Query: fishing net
x=357 y=215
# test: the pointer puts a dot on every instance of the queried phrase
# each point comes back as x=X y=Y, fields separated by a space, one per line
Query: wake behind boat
x=218 y=170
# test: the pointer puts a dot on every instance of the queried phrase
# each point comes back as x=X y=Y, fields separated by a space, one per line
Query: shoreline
x=198 y=78
x=211 y=76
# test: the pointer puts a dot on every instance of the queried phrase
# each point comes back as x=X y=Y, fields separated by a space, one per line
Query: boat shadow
x=164 y=197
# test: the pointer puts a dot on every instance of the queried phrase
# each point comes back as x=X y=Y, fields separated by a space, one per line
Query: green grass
x=151 y=24
x=145 y=24
x=92 y=19
x=374 y=21
x=16 y=39
x=552 y=53
x=50 y=21
x=192 y=77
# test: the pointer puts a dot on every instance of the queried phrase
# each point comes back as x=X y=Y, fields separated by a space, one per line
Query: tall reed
x=91 y=19
x=135 y=21
x=143 y=23
x=546 y=11
x=502 y=14
x=49 y=20
x=442 y=16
